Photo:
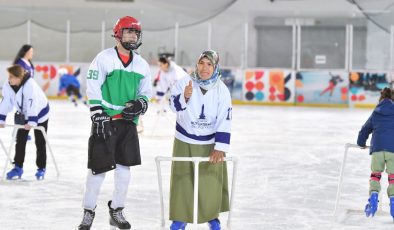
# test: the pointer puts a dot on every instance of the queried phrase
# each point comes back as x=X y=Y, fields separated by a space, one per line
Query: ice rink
x=289 y=162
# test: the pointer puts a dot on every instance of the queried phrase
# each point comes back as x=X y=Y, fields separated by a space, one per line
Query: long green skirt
x=213 y=185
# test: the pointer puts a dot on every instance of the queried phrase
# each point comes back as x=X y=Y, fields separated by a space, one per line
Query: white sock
x=92 y=189
x=122 y=179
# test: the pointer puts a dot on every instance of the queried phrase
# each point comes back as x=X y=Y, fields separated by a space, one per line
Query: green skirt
x=213 y=185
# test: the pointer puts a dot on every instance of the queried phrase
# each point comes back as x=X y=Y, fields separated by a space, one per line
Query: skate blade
x=111 y=227
x=362 y=212
x=14 y=178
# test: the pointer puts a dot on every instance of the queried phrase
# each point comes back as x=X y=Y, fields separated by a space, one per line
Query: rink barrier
x=341 y=174
x=195 y=161
x=14 y=132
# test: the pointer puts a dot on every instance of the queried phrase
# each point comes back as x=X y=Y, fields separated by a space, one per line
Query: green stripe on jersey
x=94 y=102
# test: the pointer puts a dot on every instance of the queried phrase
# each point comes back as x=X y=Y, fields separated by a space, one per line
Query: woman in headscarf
x=202 y=103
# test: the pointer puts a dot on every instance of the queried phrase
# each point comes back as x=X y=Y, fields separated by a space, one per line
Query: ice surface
x=289 y=162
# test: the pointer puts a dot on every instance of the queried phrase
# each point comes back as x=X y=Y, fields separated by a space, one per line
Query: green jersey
x=111 y=83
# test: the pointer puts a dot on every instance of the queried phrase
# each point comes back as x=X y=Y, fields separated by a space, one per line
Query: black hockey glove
x=134 y=108
x=101 y=126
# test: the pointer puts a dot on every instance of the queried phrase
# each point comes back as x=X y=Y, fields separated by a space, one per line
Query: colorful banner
x=272 y=86
x=365 y=87
x=232 y=78
x=255 y=85
x=322 y=87
x=47 y=77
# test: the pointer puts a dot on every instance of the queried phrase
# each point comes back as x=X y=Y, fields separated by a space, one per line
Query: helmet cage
x=131 y=45
x=128 y=23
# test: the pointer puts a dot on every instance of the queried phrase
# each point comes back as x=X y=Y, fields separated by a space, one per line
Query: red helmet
x=127 y=22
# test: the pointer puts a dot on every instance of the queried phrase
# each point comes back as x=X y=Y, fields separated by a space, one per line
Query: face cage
x=131 y=45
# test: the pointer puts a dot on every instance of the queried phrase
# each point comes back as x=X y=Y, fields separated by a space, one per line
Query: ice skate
x=214 y=224
x=15 y=173
x=40 y=174
x=116 y=219
x=372 y=206
x=88 y=217
x=178 y=225
x=392 y=206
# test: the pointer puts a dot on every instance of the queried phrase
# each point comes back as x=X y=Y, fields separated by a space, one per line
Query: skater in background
x=70 y=85
x=381 y=125
x=169 y=74
x=332 y=83
x=24 y=94
x=202 y=103
x=118 y=90
x=24 y=58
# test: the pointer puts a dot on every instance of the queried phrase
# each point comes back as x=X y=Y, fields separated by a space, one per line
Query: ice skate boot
x=15 y=173
x=40 y=174
x=87 y=221
x=392 y=206
x=178 y=225
x=372 y=206
x=116 y=218
x=214 y=224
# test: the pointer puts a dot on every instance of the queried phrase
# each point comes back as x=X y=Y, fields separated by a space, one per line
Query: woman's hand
x=27 y=127
x=216 y=156
x=188 y=91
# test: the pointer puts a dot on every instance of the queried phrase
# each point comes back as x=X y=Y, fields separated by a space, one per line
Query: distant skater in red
x=331 y=84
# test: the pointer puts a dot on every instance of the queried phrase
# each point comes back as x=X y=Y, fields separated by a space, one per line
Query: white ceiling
x=156 y=14
x=162 y=14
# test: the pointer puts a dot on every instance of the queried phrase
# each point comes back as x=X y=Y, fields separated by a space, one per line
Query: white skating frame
x=196 y=161
x=8 y=159
x=341 y=174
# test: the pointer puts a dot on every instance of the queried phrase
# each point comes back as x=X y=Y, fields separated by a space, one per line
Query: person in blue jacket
x=69 y=84
x=381 y=125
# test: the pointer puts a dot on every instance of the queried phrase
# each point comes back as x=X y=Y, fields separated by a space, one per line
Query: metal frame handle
x=340 y=179
x=196 y=161
x=16 y=127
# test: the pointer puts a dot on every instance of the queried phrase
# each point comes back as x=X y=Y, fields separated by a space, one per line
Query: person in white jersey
x=203 y=107
x=118 y=88
x=24 y=94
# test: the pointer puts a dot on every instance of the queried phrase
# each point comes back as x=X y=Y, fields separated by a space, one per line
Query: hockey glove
x=134 y=108
x=101 y=126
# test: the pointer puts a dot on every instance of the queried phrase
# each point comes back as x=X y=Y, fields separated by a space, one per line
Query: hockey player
x=24 y=94
x=202 y=103
x=381 y=125
x=118 y=90
x=70 y=84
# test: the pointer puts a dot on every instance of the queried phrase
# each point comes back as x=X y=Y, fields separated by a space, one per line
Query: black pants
x=20 y=147
x=72 y=90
